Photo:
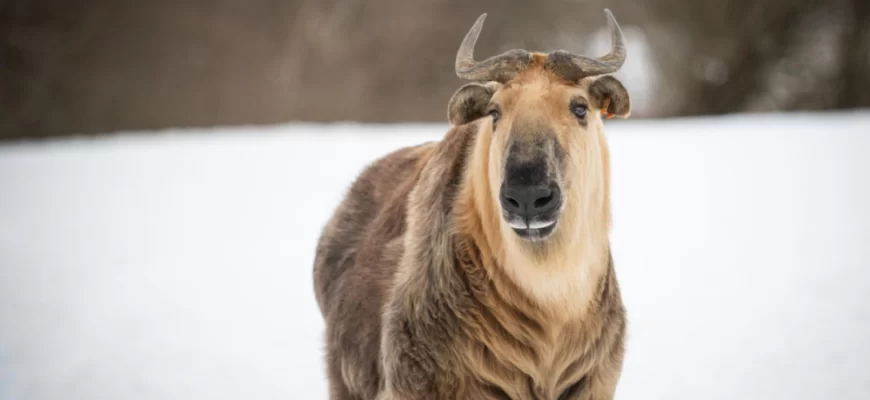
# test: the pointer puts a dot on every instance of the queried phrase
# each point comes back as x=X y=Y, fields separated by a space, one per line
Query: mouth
x=532 y=229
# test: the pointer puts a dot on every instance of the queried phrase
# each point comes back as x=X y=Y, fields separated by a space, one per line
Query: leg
x=337 y=388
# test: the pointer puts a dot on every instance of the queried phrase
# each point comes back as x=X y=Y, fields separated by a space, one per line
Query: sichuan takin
x=479 y=266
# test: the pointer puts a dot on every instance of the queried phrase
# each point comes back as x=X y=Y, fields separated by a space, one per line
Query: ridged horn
x=575 y=67
x=499 y=68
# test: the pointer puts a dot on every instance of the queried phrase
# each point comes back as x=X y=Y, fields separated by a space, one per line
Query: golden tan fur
x=557 y=277
x=427 y=293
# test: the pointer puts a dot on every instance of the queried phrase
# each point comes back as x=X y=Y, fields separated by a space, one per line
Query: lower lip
x=541 y=225
x=532 y=225
x=535 y=233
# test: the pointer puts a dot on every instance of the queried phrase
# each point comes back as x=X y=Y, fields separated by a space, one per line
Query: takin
x=479 y=266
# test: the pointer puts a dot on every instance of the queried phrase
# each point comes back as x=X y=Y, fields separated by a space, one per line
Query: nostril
x=512 y=201
x=546 y=199
x=543 y=201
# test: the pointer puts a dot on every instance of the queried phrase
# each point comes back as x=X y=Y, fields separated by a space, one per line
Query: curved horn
x=500 y=68
x=575 y=67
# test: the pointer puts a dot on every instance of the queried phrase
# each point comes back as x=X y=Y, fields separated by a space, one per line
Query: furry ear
x=470 y=102
x=610 y=96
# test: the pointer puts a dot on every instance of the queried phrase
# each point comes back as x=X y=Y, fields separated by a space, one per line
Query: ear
x=610 y=96
x=470 y=102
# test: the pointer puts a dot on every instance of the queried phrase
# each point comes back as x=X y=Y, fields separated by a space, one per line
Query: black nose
x=529 y=201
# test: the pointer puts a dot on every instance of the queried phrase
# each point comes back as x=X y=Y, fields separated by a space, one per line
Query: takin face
x=547 y=164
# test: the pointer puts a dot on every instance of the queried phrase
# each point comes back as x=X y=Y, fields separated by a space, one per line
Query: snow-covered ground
x=178 y=265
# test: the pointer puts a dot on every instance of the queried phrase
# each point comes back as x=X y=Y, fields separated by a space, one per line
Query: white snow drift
x=176 y=265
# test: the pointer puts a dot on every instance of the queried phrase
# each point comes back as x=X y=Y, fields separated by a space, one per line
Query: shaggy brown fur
x=428 y=294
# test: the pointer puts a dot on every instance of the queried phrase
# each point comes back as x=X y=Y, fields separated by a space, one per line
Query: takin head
x=547 y=156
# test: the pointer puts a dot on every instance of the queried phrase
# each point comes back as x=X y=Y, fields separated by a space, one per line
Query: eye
x=495 y=114
x=579 y=110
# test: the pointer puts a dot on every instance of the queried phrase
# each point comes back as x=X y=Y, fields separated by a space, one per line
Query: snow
x=177 y=265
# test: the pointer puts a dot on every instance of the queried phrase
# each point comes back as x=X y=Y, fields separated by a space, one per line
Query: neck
x=559 y=275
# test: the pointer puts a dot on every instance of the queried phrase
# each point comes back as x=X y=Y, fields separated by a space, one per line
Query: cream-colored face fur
x=546 y=135
x=533 y=132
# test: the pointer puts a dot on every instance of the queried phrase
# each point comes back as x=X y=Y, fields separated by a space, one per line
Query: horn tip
x=478 y=25
x=615 y=29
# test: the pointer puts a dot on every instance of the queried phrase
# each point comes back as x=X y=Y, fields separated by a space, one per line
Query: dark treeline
x=97 y=66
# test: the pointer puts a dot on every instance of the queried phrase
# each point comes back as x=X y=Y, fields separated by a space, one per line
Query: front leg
x=410 y=364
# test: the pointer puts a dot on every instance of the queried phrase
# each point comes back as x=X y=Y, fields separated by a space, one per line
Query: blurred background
x=97 y=66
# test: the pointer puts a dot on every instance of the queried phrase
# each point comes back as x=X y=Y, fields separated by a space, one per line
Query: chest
x=529 y=333
x=523 y=365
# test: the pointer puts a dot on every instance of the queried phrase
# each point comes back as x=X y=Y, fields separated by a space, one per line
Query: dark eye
x=495 y=114
x=579 y=110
